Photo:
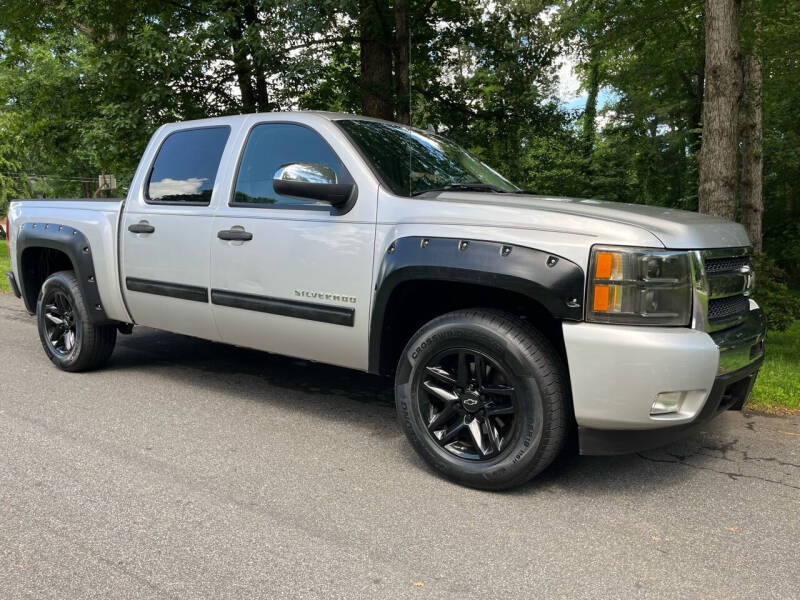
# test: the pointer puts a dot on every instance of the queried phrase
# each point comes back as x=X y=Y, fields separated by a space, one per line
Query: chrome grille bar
x=723 y=281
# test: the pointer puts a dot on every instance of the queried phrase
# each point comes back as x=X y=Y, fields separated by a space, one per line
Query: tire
x=521 y=397
x=76 y=344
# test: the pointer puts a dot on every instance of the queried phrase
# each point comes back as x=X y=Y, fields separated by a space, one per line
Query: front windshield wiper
x=463 y=187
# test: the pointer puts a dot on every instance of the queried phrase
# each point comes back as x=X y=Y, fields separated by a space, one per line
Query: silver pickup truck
x=509 y=320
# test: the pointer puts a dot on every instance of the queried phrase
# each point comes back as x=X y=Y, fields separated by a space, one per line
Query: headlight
x=639 y=286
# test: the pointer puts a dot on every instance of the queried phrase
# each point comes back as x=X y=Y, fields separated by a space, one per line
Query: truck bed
x=95 y=218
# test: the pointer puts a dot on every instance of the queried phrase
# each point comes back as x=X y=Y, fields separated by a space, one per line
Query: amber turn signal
x=639 y=286
x=607 y=265
x=600 y=303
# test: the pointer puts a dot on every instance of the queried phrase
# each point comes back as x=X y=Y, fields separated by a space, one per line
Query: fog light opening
x=667 y=403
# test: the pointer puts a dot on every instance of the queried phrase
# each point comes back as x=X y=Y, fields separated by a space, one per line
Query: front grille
x=729 y=278
x=726 y=265
x=723 y=309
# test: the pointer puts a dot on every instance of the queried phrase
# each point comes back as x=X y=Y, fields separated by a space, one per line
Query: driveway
x=189 y=469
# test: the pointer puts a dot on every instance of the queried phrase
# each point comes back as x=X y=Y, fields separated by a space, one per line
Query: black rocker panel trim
x=553 y=281
x=336 y=315
x=163 y=288
x=75 y=245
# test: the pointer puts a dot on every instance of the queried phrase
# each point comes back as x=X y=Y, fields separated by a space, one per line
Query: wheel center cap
x=471 y=401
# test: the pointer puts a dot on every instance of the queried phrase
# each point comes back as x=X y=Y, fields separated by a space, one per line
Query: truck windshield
x=410 y=162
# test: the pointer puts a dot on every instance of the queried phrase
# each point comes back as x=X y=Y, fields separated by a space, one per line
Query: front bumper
x=729 y=391
x=617 y=372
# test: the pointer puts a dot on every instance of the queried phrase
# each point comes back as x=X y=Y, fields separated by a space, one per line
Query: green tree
x=650 y=54
x=488 y=81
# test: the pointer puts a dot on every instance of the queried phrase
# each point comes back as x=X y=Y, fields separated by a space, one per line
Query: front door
x=296 y=279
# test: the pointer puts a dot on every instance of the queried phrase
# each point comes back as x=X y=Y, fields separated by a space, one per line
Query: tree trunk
x=260 y=93
x=590 y=111
x=752 y=152
x=241 y=62
x=589 y=127
x=752 y=139
x=376 y=62
x=697 y=110
x=718 y=156
x=402 y=60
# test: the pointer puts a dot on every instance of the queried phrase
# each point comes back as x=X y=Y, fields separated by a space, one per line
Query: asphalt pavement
x=188 y=469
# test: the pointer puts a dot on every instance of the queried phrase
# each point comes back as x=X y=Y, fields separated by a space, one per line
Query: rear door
x=166 y=232
x=301 y=286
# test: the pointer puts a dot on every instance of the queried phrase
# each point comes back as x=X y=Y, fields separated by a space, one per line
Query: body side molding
x=164 y=288
x=72 y=243
x=551 y=280
x=336 y=315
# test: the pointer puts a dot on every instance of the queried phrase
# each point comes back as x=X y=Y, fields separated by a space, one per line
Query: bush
x=783 y=244
x=779 y=303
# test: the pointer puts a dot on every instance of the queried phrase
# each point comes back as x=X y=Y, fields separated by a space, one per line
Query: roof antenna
x=430 y=128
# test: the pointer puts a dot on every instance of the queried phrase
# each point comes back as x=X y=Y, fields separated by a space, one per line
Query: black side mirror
x=313 y=181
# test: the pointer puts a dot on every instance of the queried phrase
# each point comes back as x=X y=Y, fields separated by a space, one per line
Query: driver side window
x=271 y=146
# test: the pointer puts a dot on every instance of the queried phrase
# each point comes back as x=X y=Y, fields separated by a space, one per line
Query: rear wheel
x=481 y=396
x=68 y=336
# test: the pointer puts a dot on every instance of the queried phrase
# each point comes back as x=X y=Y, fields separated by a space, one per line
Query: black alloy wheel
x=483 y=398
x=70 y=338
x=471 y=404
x=61 y=323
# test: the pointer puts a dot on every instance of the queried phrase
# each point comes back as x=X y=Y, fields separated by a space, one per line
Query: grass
x=5 y=266
x=777 y=388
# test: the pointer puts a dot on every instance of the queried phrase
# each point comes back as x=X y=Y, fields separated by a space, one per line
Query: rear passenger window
x=271 y=146
x=186 y=166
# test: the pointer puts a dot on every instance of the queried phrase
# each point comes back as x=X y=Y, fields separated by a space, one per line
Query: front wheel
x=482 y=398
x=69 y=338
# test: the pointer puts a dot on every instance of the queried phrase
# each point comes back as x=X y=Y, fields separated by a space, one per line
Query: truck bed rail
x=67 y=199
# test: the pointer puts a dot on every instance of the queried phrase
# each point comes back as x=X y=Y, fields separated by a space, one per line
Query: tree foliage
x=83 y=86
x=651 y=59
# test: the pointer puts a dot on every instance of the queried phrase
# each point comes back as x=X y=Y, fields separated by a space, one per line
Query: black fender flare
x=551 y=280
x=75 y=245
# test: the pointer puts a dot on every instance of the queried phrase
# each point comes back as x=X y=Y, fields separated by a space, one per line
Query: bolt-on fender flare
x=551 y=280
x=75 y=245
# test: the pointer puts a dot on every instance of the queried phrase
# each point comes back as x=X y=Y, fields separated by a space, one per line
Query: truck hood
x=678 y=229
